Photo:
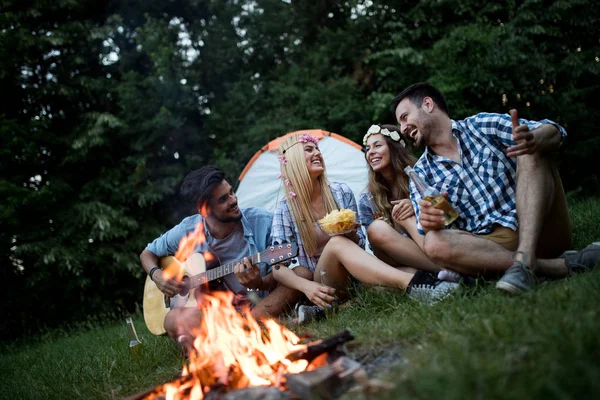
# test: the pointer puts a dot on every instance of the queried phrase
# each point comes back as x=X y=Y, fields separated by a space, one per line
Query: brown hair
x=381 y=190
x=417 y=92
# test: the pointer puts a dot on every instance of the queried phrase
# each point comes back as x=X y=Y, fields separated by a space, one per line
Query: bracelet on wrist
x=152 y=271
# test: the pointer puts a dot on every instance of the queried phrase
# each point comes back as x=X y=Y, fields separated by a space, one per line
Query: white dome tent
x=258 y=185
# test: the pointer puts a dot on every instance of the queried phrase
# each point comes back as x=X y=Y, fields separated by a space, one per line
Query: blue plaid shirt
x=481 y=188
x=285 y=227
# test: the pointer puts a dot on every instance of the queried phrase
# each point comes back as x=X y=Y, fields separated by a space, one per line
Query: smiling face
x=377 y=153
x=415 y=123
x=314 y=159
x=223 y=205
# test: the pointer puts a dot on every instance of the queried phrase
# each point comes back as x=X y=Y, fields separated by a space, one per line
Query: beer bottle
x=135 y=345
x=433 y=196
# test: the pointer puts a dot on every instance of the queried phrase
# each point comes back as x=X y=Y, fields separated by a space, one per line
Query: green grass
x=479 y=344
x=94 y=363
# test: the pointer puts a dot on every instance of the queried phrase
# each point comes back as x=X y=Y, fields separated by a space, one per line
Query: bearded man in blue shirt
x=495 y=171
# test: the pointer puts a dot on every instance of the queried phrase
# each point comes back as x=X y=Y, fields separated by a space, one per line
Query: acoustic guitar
x=156 y=304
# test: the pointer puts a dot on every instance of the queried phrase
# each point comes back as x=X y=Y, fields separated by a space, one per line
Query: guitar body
x=156 y=305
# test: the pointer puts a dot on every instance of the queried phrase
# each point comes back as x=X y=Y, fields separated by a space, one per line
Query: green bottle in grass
x=135 y=345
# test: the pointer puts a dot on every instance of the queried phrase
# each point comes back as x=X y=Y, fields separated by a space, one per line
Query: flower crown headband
x=304 y=138
x=376 y=129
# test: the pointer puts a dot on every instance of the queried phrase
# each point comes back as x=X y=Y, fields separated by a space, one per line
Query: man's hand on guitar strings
x=170 y=287
x=248 y=274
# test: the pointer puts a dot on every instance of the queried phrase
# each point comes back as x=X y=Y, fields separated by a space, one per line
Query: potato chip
x=338 y=221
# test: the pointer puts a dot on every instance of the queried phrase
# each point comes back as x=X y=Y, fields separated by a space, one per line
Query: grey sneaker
x=306 y=314
x=584 y=260
x=518 y=279
x=426 y=288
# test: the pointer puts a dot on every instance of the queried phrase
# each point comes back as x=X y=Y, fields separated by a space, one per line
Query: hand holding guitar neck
x=248 y=274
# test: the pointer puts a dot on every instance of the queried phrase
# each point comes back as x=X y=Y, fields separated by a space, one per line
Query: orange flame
x=187 y=246
x=204 y=210
x=230 y=348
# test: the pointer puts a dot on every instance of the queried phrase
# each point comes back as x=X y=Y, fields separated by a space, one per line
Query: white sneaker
x=449 y=276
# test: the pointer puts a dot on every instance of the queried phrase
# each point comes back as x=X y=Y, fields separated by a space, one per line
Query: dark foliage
x=108 y=104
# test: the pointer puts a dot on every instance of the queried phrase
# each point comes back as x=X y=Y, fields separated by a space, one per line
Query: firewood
x=249 y=393
x=315 y=349
x=317 y=384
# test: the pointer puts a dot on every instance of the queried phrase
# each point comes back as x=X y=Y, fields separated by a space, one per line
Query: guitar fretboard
x=220 y=271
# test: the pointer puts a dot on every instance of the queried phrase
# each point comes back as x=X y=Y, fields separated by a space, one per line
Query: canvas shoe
x=306 y=314
x=583 y=260
x=517 y=279
x=428 y=289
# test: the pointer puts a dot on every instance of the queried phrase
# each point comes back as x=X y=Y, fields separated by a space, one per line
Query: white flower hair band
x=376 y=129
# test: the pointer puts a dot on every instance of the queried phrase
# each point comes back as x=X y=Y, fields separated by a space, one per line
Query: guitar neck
x=220 y=271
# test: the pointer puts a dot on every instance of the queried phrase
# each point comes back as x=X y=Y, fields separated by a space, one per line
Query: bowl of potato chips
x=338 y=222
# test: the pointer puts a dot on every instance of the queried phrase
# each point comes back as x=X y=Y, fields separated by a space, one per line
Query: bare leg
x=388 y=260
x=472 y=255
x=465 y=253
x=535 y=195
x=554 y=268
x=401 y=249
x=182 y=321
x=341 y=258
x=410 y=226
x=281 y=298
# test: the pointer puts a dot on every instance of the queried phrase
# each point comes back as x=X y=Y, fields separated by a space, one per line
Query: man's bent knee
x=437 y=246
x=182 y=321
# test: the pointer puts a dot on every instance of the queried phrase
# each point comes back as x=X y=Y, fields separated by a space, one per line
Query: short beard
x=227 y=219
x=426 y=127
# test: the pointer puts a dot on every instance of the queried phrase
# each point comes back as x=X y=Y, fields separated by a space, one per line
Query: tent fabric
x=258 y=185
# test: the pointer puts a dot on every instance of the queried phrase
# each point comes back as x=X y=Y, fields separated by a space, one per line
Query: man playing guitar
x=231 y=234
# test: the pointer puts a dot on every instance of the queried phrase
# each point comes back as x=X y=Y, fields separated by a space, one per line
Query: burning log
x=314 y=350
x=327 y=382
x=251 y=393
x=331 y=369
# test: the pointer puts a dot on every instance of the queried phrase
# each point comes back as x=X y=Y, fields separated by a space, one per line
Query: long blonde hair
x=298 y=188
x=381 y=190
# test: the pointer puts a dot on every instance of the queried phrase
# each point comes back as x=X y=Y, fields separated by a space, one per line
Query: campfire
x=234 y=353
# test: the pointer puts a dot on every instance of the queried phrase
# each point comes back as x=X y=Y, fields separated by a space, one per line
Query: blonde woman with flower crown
x=385 y=208
x=333 y=260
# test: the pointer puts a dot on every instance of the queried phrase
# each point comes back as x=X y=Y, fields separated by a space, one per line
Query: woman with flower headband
x=333 y=260
x=385 y=208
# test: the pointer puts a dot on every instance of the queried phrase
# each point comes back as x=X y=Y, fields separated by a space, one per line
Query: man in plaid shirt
x=495 y=172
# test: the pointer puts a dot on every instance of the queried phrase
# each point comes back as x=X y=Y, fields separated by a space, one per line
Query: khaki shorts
x=556 y=232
